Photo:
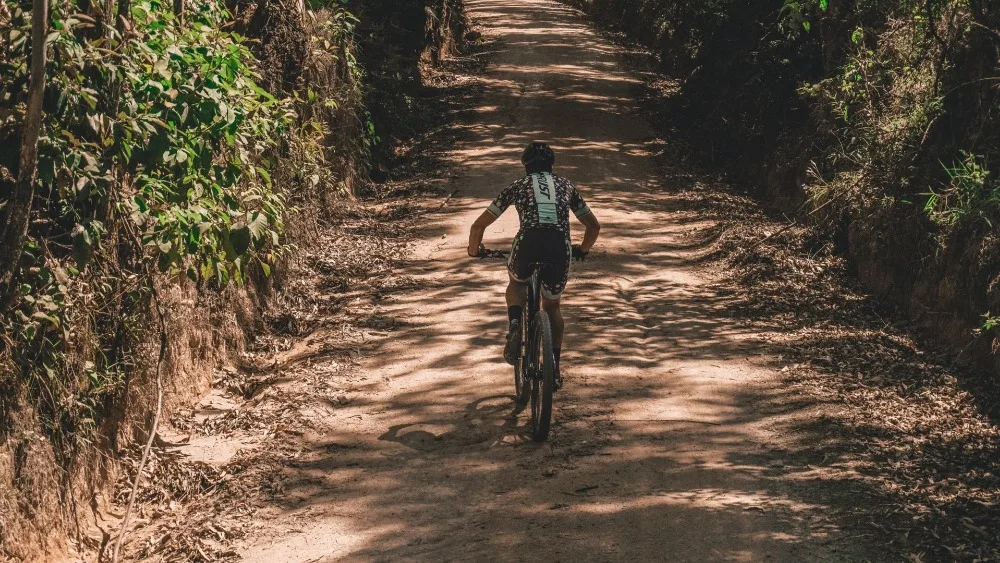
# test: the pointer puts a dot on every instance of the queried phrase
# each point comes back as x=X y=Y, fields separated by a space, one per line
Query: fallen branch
x=418 y=212
x=774 y=234
x=17 y=208
x=443 y=203
x=152 y=430
x=811 y=213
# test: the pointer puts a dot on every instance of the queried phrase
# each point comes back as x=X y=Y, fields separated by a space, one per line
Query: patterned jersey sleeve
x=576 y=203
x=503 y=200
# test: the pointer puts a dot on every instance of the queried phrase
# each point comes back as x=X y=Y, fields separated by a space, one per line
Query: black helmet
x=538 y=155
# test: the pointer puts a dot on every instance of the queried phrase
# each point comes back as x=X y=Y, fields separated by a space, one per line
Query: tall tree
x=18 y=209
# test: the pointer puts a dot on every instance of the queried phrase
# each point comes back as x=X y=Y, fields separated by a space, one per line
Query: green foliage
x=198 y=127
x=156 y=152
x=329 y=141
x=337 y=34
x=175 y=110
x=990 y=323
x=971 y=194
x=796 y=14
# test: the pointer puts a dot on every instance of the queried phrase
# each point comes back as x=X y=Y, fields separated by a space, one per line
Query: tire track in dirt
x=668 y=436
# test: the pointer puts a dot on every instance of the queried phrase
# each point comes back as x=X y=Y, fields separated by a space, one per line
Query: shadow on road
x=674 y=438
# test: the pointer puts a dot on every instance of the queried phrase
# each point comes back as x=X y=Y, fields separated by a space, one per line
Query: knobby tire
x=542 y=381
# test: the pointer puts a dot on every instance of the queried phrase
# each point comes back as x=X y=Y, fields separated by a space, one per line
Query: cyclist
x=543 y=202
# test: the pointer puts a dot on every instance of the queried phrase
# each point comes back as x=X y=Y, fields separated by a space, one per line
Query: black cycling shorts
x=547 y=246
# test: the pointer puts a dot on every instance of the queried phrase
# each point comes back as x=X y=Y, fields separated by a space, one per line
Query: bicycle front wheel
x=542 y=378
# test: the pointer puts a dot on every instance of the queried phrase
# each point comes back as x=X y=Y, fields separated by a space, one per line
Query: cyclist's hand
x=578 y=253
x=490 y=253
x=480 y=252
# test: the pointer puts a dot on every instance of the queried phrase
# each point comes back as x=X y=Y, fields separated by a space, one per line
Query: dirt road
x=669 y=434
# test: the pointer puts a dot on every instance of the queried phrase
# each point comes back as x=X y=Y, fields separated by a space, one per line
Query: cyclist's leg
x=516 y=297
x=554 y=278
x=517 y=293
x=558 y=253
x=551 y=306
x=517 y=270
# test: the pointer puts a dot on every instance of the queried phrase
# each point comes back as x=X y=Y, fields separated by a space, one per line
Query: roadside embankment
x=874 y=125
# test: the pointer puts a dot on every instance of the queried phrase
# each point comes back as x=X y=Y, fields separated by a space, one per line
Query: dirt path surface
x=669 y=435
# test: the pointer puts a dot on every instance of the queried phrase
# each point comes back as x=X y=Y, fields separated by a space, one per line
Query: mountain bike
x=534 y=373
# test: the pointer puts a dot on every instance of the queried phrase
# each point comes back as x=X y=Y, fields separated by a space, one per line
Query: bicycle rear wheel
x=541 y=380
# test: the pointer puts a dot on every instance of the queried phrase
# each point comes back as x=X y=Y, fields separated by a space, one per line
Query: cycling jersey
x=542 y=200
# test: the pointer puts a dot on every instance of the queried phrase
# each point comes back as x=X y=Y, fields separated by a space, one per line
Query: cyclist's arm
x=477 y=231
x=587 y=217
x=492 y=213
x=593 y=228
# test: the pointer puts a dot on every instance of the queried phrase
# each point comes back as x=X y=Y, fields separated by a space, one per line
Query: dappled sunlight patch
x=314 y=537
x=665 y=406
x=703 y=498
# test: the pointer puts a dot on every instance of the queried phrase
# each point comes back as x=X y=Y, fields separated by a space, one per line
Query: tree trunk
x=109 y=16
x=18 y=209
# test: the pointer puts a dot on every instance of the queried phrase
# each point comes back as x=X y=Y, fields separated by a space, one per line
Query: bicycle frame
x=532 y=306
x=533 y=372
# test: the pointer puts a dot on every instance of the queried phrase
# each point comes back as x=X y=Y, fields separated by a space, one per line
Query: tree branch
x=18 y=209
x=152 y=431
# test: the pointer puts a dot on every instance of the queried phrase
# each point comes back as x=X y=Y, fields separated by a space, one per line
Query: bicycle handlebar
x=485 y=253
